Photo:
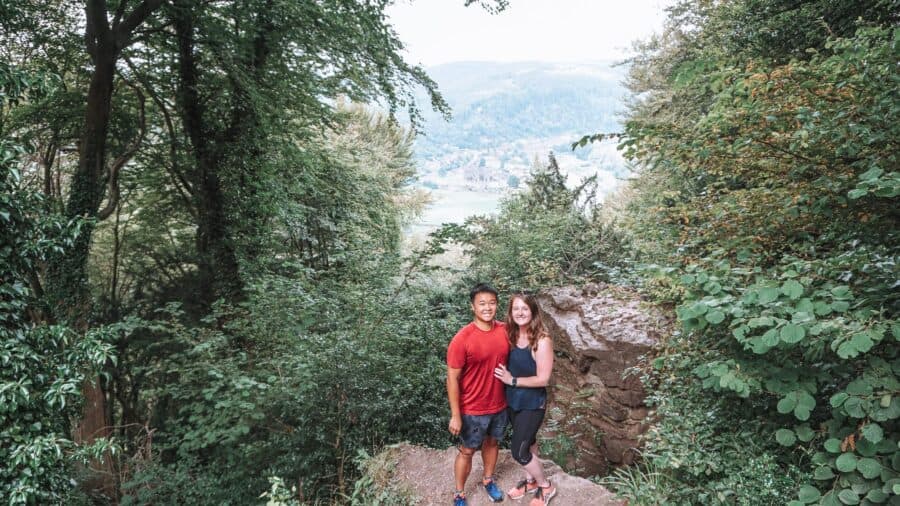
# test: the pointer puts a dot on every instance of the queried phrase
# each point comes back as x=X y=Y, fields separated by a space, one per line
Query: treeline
x=538 y=108
x=765 y=208
x=202 y=283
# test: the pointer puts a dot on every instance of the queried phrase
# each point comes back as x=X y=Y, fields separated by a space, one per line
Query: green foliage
x=772 y=203
x=768 y=195
x=375 y=487
x=279 y=495
x=43 y=365
x=293 y=386
x=544 y=235
x=559 y=448
x=698 y=450
x=642 y=484
x=342 y=212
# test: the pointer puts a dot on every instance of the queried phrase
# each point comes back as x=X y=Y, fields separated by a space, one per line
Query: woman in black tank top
x=527 y=375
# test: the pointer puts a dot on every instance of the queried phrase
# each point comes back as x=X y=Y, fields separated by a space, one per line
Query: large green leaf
x=848 y=496
x=805 y=405
x=760 y=321
x=787 y=403
x=809 y=494
x=877 y=496
x=792 y=289
x=861 y=386
x=791 y=333
x=715 y=317
x=823 y=473
x=838 y=399
x=847 y=350
x=804 y=433
x=768 y=295
x=869 y=468
x=866 y=448
x=822 y=308
x=839 y=306
x=862 y=341
x=854 y=407
x=785 y=437
x=846 y=462
x=872 y=432
x=830 y=499
x=770 y=338
x=712 y=288
x=841 y=292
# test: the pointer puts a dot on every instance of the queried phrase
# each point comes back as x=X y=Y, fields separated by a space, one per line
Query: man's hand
x=455 y=425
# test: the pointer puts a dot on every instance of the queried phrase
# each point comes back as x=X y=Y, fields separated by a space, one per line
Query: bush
x=547 y=234
x=44 y=365
x=318 y=377
x=771 y=192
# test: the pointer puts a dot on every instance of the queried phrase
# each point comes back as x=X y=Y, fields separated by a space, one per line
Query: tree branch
x=117 y=17
x=128 y=154
x=181 y=183
x=137 y=16
x=97 y=25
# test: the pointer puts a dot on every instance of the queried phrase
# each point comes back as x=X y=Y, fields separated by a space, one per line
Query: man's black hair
x=482 y=288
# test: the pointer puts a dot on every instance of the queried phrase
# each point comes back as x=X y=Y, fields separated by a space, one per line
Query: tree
x=544 y=234
x=766 y=191
x=44 y=364
x=184 y=118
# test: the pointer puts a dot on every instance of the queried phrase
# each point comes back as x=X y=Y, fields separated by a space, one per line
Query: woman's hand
x=503 y=375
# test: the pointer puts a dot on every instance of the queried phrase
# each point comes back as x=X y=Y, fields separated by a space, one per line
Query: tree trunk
x=67 y=273
x=217 y=261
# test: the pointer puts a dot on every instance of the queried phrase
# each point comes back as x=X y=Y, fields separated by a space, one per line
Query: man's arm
x=453 y=396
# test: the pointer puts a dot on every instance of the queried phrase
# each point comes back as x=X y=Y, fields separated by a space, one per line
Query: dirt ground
x=429 y=473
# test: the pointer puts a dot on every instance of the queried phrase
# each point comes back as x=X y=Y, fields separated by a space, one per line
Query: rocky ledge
x=425 y=477
x=603 y=334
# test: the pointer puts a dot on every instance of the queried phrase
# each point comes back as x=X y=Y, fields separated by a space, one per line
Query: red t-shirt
x=477 y=353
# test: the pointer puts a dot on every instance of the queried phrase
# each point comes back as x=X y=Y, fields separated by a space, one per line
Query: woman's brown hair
x=536 y=330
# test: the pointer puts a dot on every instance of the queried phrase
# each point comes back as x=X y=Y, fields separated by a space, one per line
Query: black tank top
x=521 y=364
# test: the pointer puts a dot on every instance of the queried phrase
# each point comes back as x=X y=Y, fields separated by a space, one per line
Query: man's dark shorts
x=476 y=427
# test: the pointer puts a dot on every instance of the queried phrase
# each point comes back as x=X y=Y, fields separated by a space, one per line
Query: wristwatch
x=514 y=381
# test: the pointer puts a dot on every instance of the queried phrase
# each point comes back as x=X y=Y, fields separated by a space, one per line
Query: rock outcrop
x=602 y=334
x=426 y=477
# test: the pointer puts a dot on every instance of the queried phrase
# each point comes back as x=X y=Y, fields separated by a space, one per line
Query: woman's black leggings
x=525 y=425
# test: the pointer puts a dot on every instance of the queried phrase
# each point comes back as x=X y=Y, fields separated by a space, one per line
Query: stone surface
x=600 y=332
x=429 y=475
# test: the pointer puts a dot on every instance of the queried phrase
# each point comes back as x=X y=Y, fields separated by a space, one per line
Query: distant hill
x=507 y=115
x=504 y=102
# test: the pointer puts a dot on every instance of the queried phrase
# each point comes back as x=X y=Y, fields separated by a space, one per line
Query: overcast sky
x=442 y=31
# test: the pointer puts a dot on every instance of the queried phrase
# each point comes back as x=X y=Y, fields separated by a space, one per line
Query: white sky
x=442 y=31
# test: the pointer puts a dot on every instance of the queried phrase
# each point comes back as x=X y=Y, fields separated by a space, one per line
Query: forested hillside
x=204 y=296
x=503 y=102
x=506 y=118
x=766 y=211
x=200 y=251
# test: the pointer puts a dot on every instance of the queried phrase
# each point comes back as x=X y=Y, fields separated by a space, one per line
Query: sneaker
x=459 y=500
x=492 y=490
x=543 y=495
x=522 y=488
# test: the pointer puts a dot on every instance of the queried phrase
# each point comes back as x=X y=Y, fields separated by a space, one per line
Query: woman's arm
x=544 y=359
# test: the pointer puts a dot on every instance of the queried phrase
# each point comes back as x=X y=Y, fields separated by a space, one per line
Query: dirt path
x=430 y=474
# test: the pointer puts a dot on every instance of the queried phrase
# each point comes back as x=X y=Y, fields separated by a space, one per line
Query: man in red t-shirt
x=477 y=399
